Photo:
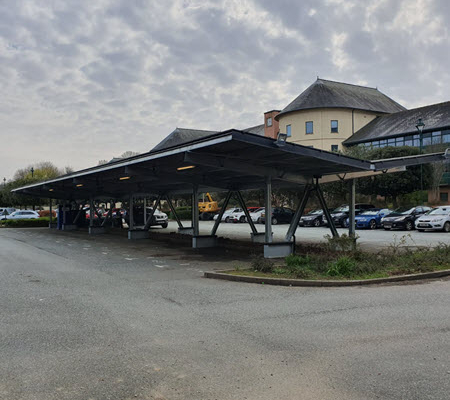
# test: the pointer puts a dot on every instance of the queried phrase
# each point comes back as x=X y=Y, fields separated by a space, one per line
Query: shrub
x=262 y=264
x=182 y=212
x=46 y=213
x=341 y=243
x=25 y=223
x=299 y=265
x=343 y=266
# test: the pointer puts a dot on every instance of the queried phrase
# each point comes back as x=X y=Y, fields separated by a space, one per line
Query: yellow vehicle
x=208 y=208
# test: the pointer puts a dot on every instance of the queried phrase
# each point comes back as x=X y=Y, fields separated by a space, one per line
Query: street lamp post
x=419 y=126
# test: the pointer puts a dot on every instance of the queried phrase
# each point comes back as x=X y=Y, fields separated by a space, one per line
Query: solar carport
x=230 y=161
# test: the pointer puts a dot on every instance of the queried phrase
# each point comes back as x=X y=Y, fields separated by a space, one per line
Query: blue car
x=371 y=219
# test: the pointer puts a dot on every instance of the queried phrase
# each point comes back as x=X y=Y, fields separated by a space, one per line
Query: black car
x=280 y=215
x=403 y=218
x=340 y=215
x=313 y=218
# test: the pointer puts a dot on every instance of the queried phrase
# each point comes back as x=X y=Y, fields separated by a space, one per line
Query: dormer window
x=269 y=121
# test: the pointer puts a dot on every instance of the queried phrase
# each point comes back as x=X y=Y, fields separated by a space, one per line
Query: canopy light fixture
x=186 y=167
x=124 y=178
x=281 y=139
x=79 y=185
x=51 y=190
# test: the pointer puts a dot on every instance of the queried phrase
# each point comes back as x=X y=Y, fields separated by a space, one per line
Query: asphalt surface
x=368 y=239
x=106 y=318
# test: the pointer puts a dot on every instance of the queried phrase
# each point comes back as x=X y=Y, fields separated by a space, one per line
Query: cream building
x=328 y=112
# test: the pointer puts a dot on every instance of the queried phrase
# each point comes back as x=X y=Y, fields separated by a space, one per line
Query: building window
x=334 y=126
x=269 y=121
x=334 y=147
x=309 y=128
x=391 y=142
x=288 y=131
x=443 y=197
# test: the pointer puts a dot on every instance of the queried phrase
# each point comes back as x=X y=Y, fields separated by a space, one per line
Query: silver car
x=436 y=220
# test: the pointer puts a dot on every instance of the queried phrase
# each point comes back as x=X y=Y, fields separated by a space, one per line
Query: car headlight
x=437 y=220
x=401 y=219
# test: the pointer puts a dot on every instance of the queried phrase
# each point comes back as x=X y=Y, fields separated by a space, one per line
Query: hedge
x=182 y=212
x=26 y=223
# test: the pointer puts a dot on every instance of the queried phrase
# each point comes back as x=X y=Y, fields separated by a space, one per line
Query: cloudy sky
x=84 y=80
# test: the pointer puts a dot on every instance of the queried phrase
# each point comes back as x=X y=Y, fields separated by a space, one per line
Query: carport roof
x=232 y=159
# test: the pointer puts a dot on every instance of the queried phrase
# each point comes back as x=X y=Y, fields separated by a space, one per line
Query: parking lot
x=369 y=239
x=107 y=318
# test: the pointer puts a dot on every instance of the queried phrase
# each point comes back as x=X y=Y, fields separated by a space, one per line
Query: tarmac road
x=368 y=239
x=107 y=318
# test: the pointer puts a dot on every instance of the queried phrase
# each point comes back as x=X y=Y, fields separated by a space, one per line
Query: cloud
x=83 y=80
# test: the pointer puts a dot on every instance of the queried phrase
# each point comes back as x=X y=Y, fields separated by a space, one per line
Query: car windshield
x=341 y=209
x=440 y=211
x=404 y=210
x=315 y=212
x=257 y=210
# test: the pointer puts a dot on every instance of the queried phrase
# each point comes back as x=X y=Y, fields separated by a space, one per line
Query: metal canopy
x=230 y=160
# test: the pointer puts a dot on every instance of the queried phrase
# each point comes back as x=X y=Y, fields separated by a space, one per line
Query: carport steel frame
x=229 y=161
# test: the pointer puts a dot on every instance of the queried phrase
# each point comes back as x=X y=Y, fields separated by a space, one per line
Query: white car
x=22 y=214
x=227 y=214
x=257 y=214
x=436 y=220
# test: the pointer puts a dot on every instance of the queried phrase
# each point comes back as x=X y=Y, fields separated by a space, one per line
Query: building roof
x=257 y=130
x=435 y=117
x=329 y=94
x=182 y=135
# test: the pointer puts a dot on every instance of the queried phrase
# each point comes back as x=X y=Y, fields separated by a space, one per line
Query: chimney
x=271 y=127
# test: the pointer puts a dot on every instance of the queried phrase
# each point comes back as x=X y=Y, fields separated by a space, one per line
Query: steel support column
x=333 y=229
x=131 y=215
x=145 y=210
x=78 y=215
x=221 y=212
x=172 y=209
x=150 y=216
x=268 y=209
x=65 y=213
x=91 y=212
x=195 y=211
x=351 y=217
x=247 y=214
x=298 y=214
x=51 y=213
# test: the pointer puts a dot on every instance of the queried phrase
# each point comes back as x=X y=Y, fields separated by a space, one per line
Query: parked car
x=436 y=220
x=159 y=218
x=227 y=213
x=313 y=218
x=240 y=216
x=22 y=214
x=5 y=211
x=340 y=214
x=370 y=219
x=403 y=218
x=256 y=215
x=280 y=215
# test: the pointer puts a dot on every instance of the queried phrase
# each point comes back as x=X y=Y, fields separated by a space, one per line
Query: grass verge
x=349 y=263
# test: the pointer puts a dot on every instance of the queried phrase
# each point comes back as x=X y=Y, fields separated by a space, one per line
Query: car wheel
x=164 y=225
x=227 y=219
x=344 y=223
x=409 y=226
x=447 y=227
x=372 y=224
x=274 y=221
x=242 y=219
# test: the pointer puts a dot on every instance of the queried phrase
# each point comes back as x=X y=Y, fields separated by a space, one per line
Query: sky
x=83 y=80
